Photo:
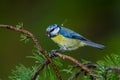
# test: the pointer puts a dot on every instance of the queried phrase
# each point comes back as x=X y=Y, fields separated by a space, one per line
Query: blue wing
x=71 y=34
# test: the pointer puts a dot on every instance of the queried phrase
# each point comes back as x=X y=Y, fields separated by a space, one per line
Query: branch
x=45 y=63
x=21 y=30
x=83 y=67
x=78 y=63
x=75 y=75
x=40 y=69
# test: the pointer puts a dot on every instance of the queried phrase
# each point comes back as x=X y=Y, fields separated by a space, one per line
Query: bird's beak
x=48 y=33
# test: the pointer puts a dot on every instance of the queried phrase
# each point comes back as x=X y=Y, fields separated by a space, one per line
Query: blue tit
x=68 y=39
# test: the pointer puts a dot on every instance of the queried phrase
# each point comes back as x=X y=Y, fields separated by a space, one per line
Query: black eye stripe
x=52 y=30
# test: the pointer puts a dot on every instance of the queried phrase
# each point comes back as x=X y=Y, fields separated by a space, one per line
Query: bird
x=68 y=39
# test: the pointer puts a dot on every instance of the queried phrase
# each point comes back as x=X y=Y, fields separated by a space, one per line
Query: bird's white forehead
x=51 y=27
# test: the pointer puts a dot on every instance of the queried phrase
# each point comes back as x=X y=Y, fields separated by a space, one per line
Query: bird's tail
x=96 y=45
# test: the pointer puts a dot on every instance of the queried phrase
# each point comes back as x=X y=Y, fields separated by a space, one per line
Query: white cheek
x=55 y=31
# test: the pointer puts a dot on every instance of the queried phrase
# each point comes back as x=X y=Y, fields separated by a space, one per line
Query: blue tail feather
x=96 y=45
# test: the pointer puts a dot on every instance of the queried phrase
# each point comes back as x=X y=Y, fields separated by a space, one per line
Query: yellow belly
x=67 y=43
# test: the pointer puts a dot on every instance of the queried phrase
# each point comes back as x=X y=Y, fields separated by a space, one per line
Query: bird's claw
x=53 y=52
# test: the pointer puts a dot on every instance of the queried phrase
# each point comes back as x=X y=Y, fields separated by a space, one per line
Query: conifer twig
x=21 y=30
x=83 y=67
x=45 y=63
x=49 y=58
x=88 y=65
x=113 y=69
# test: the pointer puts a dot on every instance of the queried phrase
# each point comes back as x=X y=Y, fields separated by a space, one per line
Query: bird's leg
x=53 y=52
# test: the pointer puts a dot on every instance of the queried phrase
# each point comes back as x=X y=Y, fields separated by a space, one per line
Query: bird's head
x=53 y=30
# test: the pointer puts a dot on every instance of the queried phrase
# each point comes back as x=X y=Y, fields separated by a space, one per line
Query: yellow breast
x=67 y=43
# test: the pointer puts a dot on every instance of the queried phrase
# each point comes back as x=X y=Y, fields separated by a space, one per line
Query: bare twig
x=37 y=72
x=78 y=63
x=75 y=75
x=21 y=30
